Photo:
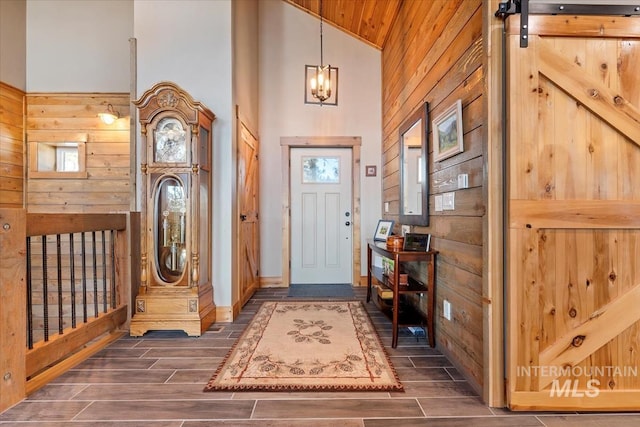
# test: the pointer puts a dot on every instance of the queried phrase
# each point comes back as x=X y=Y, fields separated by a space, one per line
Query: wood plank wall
x=434 y=54
x=72 y=116
x=11 y=147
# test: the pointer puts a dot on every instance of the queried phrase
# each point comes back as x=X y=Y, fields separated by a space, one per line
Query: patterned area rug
x=307 y=345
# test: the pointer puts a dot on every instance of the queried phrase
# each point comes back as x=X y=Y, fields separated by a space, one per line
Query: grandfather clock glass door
x=170 y=237
x=175 y=279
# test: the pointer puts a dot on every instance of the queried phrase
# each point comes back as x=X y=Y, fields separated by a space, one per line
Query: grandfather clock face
x=170 y=142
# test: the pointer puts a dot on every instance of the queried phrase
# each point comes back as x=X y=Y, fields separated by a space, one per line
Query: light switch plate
x=449 y=201
x=438 y=200
x=463 y=180
x=386 y=206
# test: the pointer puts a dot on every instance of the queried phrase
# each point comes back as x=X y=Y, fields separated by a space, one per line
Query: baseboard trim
x=272 y=282
x=224 y=314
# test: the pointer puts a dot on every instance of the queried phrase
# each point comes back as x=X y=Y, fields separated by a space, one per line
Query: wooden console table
x=409 y=315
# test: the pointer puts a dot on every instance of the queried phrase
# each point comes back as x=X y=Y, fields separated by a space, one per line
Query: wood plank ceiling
x=367 y=20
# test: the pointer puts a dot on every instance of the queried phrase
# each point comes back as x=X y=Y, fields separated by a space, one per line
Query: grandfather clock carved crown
x=175 y=278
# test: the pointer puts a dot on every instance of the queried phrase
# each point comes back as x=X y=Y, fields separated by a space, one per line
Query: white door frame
x=286 y=143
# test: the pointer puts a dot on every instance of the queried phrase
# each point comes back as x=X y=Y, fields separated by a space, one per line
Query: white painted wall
x=188 y=42
x=289 y=39
x=78 y=46
x=13 y=43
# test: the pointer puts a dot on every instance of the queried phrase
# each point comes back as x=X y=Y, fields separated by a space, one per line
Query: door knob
x=347 y=223
x=347 y=214
x=243 y=217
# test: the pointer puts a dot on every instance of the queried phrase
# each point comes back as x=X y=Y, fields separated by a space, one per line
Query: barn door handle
x=243 y=217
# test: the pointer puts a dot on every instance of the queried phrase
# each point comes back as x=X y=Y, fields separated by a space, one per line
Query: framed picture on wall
x=383 y=230
x=447 y=132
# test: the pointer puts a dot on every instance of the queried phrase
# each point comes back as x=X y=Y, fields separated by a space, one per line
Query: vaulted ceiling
x=367 y=20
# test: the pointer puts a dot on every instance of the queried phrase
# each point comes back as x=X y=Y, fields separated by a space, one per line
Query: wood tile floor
x=157 y=380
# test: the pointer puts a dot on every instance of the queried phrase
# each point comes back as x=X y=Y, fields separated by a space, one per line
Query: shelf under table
x=401 y=313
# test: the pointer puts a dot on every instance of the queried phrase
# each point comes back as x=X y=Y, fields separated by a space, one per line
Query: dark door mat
x=297 y=290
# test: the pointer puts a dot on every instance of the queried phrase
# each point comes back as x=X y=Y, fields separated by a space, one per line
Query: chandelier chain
x=321 y=58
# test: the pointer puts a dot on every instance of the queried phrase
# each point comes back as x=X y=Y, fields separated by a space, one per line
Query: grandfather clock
x=175 y=288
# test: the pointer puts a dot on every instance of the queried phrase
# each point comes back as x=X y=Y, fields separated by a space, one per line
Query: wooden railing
x=65 y=294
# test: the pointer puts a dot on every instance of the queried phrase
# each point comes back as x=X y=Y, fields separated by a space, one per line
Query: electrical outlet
x=446 y=309
x=406 y=229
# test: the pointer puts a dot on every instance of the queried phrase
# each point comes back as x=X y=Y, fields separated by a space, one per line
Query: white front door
x=321 y=217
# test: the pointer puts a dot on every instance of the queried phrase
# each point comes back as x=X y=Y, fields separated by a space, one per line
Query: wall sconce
x=109 y=116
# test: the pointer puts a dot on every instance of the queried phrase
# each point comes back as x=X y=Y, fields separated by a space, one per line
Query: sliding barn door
x=573 y=257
